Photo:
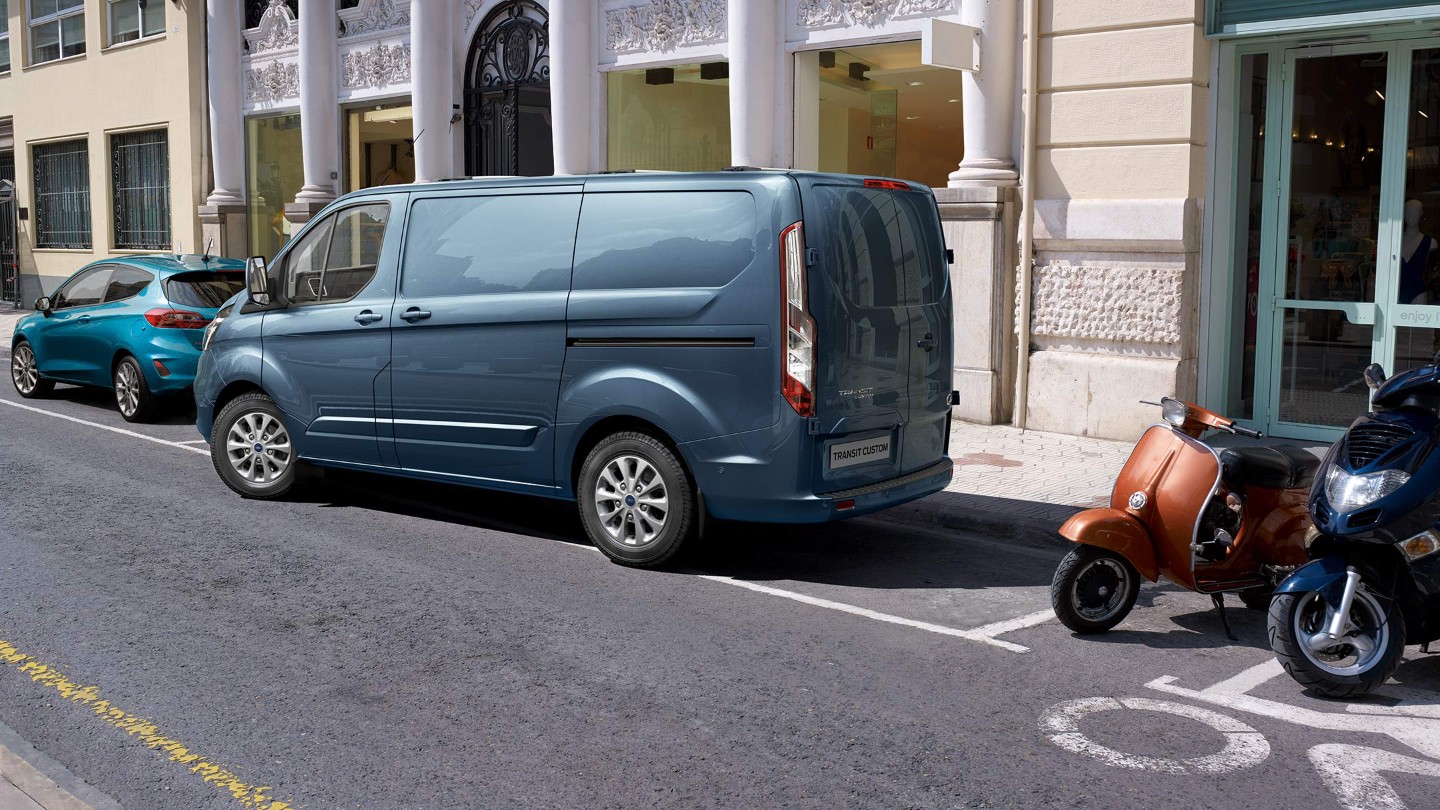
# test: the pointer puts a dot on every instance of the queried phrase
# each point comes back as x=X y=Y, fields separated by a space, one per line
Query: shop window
x=140 y=166
x=275 y=176
x=673 y=119
x=1249 y=219
x=57 y=29
x=876 y=110
x=135 y=19
x=380 y=149
x=4 y=36
x=62 y=195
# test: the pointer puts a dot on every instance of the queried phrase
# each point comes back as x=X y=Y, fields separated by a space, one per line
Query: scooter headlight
x=1348 y=492
x=1174 y=411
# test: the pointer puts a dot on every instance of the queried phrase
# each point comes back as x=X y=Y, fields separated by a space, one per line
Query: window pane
x=69 y=5
x=154 y=18
x=140 y=167
x=354 y=251
x=667 y=239
x=72 y=35
x=45 y=42
x=668 y=118
x=83 y=290
x=124 y=21
x=1249 y=216
x=304 y=270
x=275 y=174
x=4 y=54
x=62 y=195
x=206 y=290
x=473 y=245
x=43 y=8
x=126 y=282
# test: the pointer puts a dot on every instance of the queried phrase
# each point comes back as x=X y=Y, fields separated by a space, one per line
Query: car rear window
x=883 y=248
x=206 y=290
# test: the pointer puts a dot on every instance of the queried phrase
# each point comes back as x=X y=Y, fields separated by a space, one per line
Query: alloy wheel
x=258 y=447
x=127 y=389
x=1366 y=636
x=631 y=501
x=23 y=371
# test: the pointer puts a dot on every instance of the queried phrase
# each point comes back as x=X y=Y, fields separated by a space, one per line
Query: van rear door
x=879 y=293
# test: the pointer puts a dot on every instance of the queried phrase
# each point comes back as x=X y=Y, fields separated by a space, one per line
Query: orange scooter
x=1211 y=521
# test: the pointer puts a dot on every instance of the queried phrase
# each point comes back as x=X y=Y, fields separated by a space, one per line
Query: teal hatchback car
x=132 y=324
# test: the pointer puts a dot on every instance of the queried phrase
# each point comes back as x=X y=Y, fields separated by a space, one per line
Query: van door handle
x=368 y=317
x=414 y=314
x=927 y=343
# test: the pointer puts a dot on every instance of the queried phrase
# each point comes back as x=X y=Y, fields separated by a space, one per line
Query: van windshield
x=883 y=248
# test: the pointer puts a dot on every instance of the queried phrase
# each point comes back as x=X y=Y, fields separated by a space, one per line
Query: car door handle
x=415 y=314
x=927 y=343
x=83 y=319
x=368 y=317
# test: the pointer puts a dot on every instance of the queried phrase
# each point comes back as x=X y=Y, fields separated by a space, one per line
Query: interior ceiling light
x=1380 y=94
x=954 y=100
x=916 y=84
x=1422 y=114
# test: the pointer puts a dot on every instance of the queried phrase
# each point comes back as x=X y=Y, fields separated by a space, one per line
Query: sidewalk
x=9 y=316
x=30 y=780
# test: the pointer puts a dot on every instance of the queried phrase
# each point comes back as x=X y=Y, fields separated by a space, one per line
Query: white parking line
x=195 y=441
x=121 y=431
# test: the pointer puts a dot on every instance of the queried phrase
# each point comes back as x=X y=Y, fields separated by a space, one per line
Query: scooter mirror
x=1375 y=375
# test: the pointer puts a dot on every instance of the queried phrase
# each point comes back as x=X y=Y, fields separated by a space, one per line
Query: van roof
x=646 y=178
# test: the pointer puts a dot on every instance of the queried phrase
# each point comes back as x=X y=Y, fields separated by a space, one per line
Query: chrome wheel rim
x=258 y=448
x=1100 y=589
x=1367 y=634
x=23 y=371
x=631 y=501
x=127 y=389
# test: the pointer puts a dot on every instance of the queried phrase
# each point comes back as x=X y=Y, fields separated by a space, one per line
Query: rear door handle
x=927 y=343
x=415 y=314
x=368 y=317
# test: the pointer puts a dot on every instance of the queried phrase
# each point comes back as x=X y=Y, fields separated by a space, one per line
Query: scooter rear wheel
x=1094 y=589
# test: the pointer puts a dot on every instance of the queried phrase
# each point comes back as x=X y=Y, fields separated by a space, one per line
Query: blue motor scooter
x=1340 y=623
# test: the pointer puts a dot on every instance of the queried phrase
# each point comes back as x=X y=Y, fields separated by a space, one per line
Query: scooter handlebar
x=1240 y=431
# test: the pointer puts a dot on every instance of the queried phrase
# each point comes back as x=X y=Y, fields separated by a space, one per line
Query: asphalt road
x=384 y=644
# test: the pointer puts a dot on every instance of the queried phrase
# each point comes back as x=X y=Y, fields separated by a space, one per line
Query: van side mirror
x=257 y=280
x=42 y=305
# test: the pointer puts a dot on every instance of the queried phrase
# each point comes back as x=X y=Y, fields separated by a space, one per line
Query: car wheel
x=636 y=500
x=25 y=372
x=132 y=393
x=251 y=449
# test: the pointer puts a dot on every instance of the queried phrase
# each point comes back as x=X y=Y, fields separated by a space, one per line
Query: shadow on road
x=178 y=409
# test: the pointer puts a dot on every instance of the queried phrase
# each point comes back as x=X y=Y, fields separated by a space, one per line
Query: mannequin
x=1416 y=252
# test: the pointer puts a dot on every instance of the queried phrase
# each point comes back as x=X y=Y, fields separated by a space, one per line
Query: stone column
x=319 y=110
x=432 y=66
x=572 y=68
x=753 y=33
x=988 y=96
x=222 y=216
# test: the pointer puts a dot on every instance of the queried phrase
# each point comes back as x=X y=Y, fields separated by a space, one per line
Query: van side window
x=485 y=244
x=337 y=258
x=634 y=240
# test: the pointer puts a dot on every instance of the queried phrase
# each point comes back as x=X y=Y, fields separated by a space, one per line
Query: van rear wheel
x=636 y=500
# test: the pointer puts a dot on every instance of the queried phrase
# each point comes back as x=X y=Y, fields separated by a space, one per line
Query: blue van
x=749 y=345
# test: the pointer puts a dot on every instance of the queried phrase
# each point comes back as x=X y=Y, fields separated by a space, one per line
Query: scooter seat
x=1282 y=466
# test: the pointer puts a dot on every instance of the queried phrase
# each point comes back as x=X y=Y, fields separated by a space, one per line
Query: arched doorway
x=507 y=93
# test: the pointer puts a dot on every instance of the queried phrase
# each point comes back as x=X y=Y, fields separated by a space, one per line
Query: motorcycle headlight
x=1348 y=492
x=214 y=325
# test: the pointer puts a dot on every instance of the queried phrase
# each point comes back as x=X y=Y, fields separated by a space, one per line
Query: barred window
x=62 y=195
x=140 y=169
x=4 y=36
x=132 y=19
x=57 y=29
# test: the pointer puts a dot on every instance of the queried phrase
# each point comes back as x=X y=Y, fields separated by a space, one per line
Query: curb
x=44 y=781
x=1023 y=522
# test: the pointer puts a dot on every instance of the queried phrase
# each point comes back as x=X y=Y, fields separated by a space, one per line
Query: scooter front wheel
x=1362 y=659
x=1094 y=589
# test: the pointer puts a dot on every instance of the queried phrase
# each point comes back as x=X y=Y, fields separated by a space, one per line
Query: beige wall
x=157 y=83
x=1122 y=118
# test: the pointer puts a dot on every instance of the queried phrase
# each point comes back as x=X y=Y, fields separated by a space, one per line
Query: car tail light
x=888 y=185
x=176 y=319
x=798 y=374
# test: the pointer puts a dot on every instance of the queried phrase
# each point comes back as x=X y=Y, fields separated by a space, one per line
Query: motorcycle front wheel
x=1094 y=589
x=1365 y=656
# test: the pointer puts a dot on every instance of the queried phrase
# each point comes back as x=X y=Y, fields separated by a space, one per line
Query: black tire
x=254 y=408
x=1307 y=671
x=628 y=533
x=25 y=373
x=1256 y=598
x=1094 y=589
x=133 y=397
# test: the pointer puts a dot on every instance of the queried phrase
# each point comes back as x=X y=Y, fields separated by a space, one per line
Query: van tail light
x=798 y=375
x=176 y=319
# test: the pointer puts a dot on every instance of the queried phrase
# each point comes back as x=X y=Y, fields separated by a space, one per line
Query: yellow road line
x=248 y=795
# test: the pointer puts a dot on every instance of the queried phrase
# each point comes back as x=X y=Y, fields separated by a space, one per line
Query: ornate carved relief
x=472 y=7
x=869 y=13
x=1116 y=304
x=276 y=81
x=663 y=25
x=377 y=15
x=276 y=30
x=378 y=66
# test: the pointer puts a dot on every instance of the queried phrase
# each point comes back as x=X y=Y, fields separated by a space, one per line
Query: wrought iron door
x=507 y=93
x=9 y=243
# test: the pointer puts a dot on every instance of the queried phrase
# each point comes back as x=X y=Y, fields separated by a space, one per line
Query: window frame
x=328 y=224
x=111 y=5
x=5 y=37
x=116 y=221
x=59 y=17
x=40 y=190
x=57 y=302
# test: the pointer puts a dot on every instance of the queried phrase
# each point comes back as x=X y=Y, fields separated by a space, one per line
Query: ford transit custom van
x=659 y=348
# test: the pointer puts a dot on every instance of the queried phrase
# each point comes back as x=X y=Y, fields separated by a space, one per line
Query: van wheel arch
x=611 y=425
x=232 y=391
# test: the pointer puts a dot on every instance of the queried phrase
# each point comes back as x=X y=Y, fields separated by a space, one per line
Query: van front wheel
x=636 y=500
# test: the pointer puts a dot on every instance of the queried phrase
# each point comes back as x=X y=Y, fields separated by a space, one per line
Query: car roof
x=168 y=264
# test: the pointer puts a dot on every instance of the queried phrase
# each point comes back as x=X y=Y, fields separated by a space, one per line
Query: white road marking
x=1352 y=772
x=195 y=441
x=1244 y=746
x=121 y=431
x=972 y=635
x=1011 y=625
